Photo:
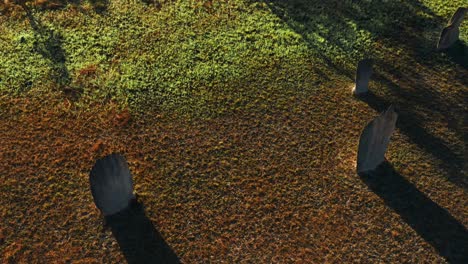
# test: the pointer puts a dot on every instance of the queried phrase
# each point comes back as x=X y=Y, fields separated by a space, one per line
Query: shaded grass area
x=448 y=236
x=138 y=239
x=243 y=132
x=401 y=36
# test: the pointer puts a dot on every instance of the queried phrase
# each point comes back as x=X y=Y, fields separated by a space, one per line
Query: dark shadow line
x=35 y=24
x=422 y=96
x=432 y=222
x=410 y=126
x=408 y=30
x=138 y=239
x=100 y=6
x=52 y=49
x=329 y=63
x=48 y=43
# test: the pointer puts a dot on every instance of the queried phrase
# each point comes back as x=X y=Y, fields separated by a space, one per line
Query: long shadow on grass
x=48 y=43
x=138 y=239
x=332 y=28
x=408 y=92
x=408 y=123
x=100 y=6
x=432 y=222
x=342 y=32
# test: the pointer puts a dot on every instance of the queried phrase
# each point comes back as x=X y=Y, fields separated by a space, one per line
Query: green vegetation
x=238 y=122
x=195 y=58
x=183 y=57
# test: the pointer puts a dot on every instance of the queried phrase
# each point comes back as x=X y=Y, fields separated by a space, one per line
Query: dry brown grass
x=255 y=187
x=270 y=177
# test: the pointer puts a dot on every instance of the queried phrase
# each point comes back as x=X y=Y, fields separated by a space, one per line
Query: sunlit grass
x=241 y=131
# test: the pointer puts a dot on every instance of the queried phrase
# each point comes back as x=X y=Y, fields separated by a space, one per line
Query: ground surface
x=239 y=126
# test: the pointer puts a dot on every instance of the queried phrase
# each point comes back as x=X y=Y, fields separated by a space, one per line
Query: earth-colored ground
x=239 y=126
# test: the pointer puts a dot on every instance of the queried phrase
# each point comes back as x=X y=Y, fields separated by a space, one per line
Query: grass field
x=238 y=123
